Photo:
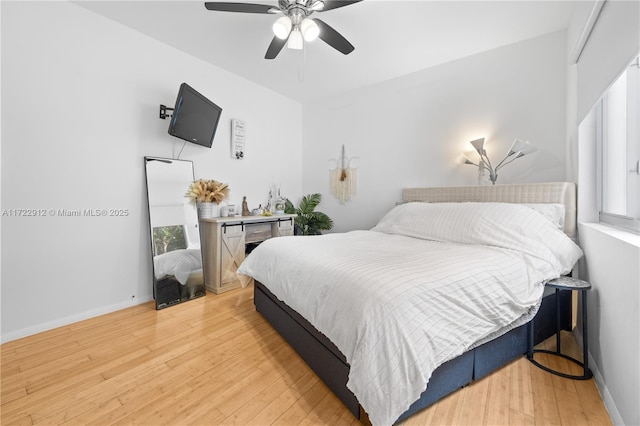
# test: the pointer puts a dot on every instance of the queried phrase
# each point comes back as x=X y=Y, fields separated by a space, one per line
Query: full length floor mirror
x=175 y=236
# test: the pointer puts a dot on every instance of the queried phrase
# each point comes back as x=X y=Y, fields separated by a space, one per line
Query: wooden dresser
x=224 y=242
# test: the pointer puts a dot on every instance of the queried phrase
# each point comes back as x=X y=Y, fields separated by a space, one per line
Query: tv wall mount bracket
x=163 y=112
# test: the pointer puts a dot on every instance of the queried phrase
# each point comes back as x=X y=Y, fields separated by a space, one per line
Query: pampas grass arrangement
x=207 y=191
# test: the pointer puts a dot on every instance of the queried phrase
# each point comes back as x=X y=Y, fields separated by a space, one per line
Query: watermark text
x=51 y=212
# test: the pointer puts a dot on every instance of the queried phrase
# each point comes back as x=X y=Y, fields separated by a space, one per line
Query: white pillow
x=552 y=211
x=510 y=226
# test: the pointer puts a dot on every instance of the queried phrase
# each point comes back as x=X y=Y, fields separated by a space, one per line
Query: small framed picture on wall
x=238 y=139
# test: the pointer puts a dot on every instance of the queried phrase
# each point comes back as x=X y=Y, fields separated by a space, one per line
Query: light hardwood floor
x=215 y=360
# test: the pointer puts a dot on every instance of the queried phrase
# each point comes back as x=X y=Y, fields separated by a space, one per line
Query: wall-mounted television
x=195 y=118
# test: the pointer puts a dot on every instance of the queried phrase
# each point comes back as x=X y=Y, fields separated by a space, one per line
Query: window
x=619 y=151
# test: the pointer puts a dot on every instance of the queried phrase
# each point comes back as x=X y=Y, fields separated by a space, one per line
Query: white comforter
x=399 y=306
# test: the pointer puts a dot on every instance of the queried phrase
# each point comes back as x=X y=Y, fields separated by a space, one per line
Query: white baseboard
x=50 y=325
x=609 y=403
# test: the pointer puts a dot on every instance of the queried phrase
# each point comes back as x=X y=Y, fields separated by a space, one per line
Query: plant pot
x=207 y=210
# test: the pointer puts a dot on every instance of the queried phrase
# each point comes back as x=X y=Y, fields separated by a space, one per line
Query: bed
x=364 y=309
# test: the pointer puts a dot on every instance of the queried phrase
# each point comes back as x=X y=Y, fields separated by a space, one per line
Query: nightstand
x=566 y=284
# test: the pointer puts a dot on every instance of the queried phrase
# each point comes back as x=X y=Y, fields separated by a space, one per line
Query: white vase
x=207 y=210
x=483 y=179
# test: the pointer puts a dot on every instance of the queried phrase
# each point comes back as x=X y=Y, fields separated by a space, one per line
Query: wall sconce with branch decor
x=519 y=148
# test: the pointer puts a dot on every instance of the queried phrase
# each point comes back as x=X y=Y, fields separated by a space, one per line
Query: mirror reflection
x=175 y=237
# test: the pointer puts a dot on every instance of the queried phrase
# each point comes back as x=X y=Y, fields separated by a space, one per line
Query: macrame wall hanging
x=343 y=177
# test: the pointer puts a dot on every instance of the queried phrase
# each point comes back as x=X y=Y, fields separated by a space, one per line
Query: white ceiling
x=391 y=38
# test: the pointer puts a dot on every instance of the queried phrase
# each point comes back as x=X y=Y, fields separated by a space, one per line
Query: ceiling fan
x=295 y=26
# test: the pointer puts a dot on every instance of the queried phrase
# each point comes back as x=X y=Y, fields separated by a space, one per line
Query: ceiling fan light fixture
x=282 y=27
x=294 y=26
x=295 y=39
x=310 y=29
x=316 y=6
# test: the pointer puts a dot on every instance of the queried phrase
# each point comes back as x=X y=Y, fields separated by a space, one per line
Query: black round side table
x=566 y=284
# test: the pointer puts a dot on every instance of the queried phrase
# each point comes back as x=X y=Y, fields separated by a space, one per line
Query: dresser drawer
x=256 y=232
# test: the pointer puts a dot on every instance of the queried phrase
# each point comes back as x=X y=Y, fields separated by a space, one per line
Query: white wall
x=410 y=131
x=611 y=263
x=612 y=266
x=612 y=257
x=80 y=97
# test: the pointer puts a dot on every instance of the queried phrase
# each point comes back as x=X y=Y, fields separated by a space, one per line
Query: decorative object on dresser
x=275 y=202
x=280 y=204
x=207 y=195
x=518 y=149
x=245 y=207
x=174 y=232
x=225 y=241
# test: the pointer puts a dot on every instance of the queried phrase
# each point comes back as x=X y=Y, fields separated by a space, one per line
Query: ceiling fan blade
x=240 y=7
x=275 y=47
x=334 y=4
x=333 y=38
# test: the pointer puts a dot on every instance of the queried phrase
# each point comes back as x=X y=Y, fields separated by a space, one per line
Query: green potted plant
x=308 y=221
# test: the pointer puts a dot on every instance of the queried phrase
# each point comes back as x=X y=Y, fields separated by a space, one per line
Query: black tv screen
x=195 y=118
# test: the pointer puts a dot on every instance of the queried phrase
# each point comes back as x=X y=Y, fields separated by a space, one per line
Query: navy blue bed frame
x=326 y=360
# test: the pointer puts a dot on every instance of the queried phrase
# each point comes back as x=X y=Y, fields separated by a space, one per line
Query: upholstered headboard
x=552 y=192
